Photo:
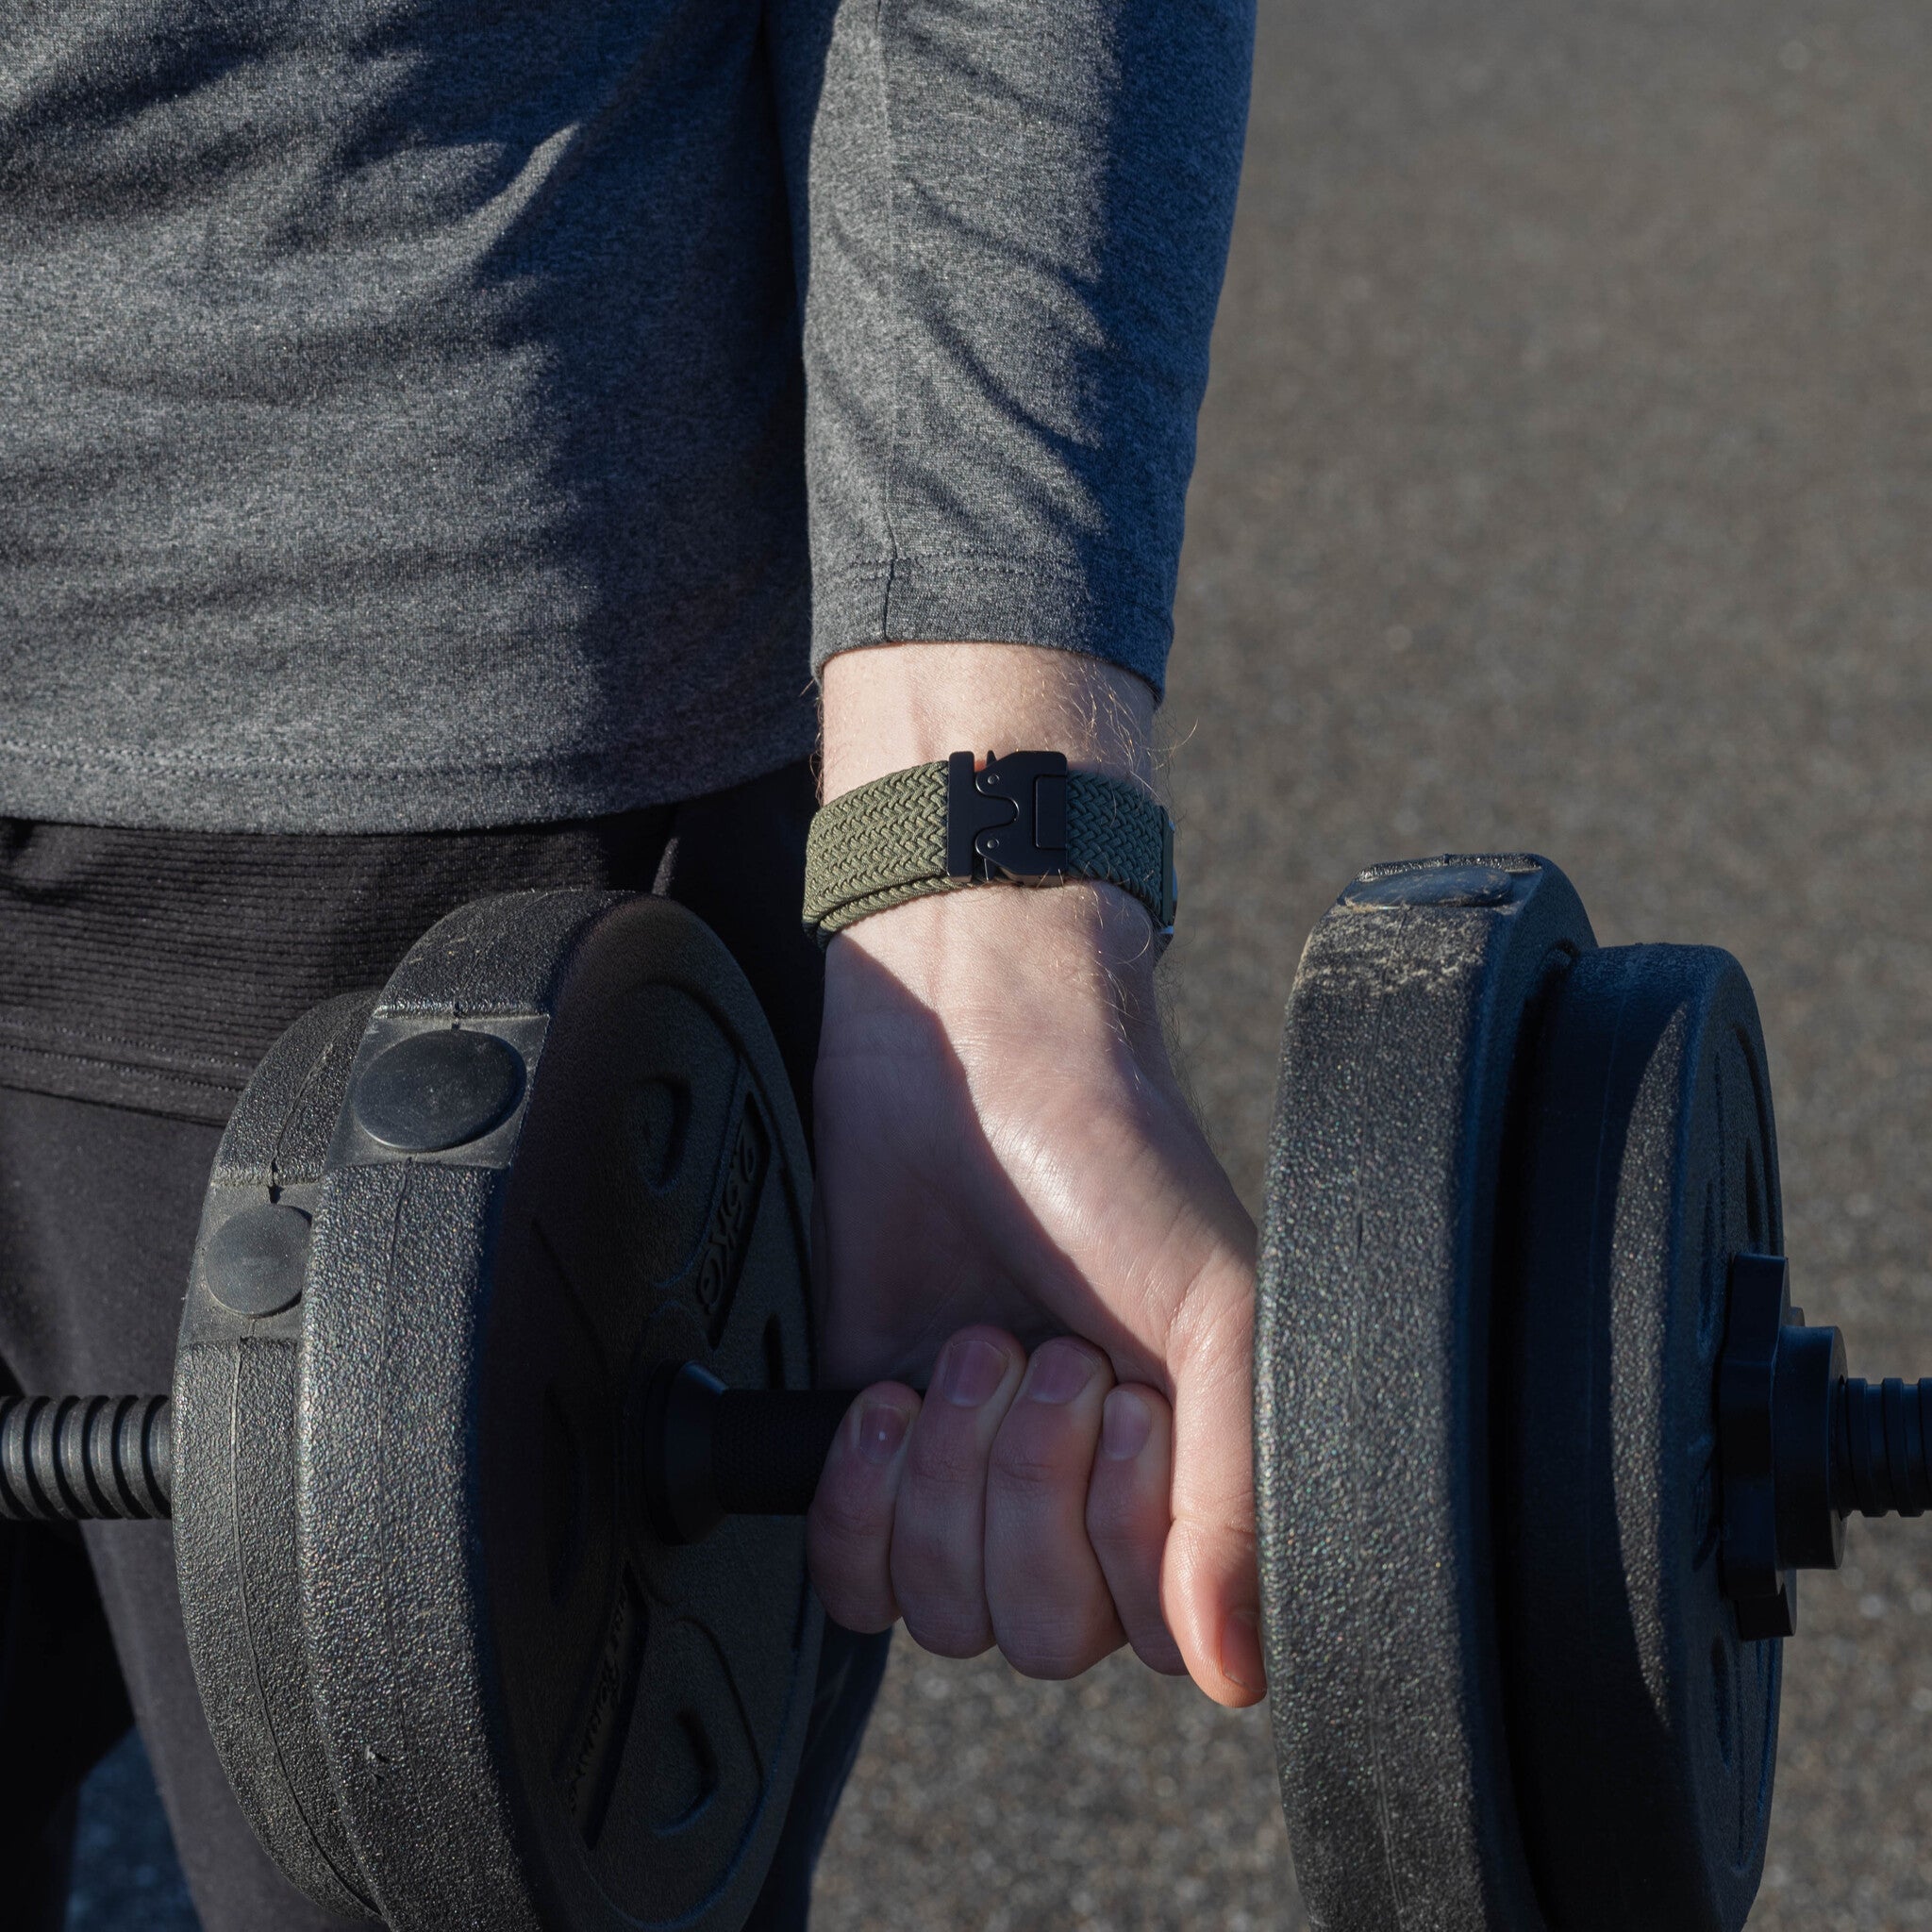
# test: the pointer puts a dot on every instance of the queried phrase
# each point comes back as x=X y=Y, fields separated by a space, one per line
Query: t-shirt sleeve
x=1010 y=220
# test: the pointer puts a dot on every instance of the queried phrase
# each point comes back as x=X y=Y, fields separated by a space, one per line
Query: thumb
x=1211 y=1588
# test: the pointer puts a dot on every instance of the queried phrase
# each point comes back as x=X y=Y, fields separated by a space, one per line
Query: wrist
x=888 y=707
x=1067 y=933
x=1060 y=963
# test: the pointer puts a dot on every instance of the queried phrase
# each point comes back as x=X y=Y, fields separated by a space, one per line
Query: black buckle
x=1009 y=820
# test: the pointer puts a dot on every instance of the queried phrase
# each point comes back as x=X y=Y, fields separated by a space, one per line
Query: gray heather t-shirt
x=427 y=413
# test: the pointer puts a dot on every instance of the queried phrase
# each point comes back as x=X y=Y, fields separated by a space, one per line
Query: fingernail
x=1059 y=1374
x=881 y=1429
x=1126 y=1424
x=974 y=1369
x=1240 y=1651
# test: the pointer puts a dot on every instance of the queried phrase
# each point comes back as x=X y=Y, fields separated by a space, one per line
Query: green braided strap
x=883 y=843
x=876 y=846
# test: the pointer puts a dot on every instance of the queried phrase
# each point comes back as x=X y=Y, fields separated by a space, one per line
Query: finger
x=939 y=1526
x=1209 y=1587
x=1129 y=1512
x=848 y=1531
x=1048 y=1598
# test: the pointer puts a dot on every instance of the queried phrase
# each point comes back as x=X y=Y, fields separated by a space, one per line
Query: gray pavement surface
x=125 y=1874
x=1564 y=483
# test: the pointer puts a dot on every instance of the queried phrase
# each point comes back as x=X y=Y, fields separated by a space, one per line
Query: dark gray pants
x=98 y=1210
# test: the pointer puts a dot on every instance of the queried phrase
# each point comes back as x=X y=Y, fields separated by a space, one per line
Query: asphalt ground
x=1564 y=484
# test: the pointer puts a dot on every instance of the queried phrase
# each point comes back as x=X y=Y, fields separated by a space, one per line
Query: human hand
x=1007 y=1164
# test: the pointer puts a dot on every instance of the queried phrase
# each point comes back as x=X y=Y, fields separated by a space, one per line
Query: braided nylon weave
x=883 y=843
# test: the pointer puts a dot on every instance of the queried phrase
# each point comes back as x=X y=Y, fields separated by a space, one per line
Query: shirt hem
x=62 y=1075
x=89 y=785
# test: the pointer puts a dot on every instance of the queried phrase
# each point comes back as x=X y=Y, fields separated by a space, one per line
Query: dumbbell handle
x=711 y=1452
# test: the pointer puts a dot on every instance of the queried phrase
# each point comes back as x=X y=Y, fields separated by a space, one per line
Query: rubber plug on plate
x=437 y=1091
x=255 y=1260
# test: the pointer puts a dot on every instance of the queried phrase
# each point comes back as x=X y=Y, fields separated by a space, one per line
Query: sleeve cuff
x=993 y=600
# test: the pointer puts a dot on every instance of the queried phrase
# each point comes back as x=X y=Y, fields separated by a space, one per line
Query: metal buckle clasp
x=1009 y=820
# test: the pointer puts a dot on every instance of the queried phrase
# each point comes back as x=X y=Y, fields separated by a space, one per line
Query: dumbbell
x=453 y=1231
x=493 y=1419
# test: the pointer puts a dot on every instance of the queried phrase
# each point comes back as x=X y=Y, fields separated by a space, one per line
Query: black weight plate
x=1373 y=1390
x=537 y=1714
x=1646 y=1732
x=233 y=1419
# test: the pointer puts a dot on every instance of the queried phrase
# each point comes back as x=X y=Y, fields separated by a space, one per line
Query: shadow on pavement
x=125 y=1874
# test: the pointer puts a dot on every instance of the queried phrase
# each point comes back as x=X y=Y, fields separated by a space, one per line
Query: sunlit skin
x=1007 y=1164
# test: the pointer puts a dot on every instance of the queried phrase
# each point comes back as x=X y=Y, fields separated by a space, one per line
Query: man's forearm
x=891 y=705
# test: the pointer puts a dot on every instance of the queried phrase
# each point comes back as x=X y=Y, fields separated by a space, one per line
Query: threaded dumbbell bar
x=711 y=1452
x=80 y=1459
x=1803 y=1446
x=1879 y=1440
x=708 y=1452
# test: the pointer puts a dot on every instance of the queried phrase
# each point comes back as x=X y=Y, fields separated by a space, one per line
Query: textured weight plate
x=1373 y=1389
x=1646 y=1732
x=534 y=1714
x=233 y=1412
